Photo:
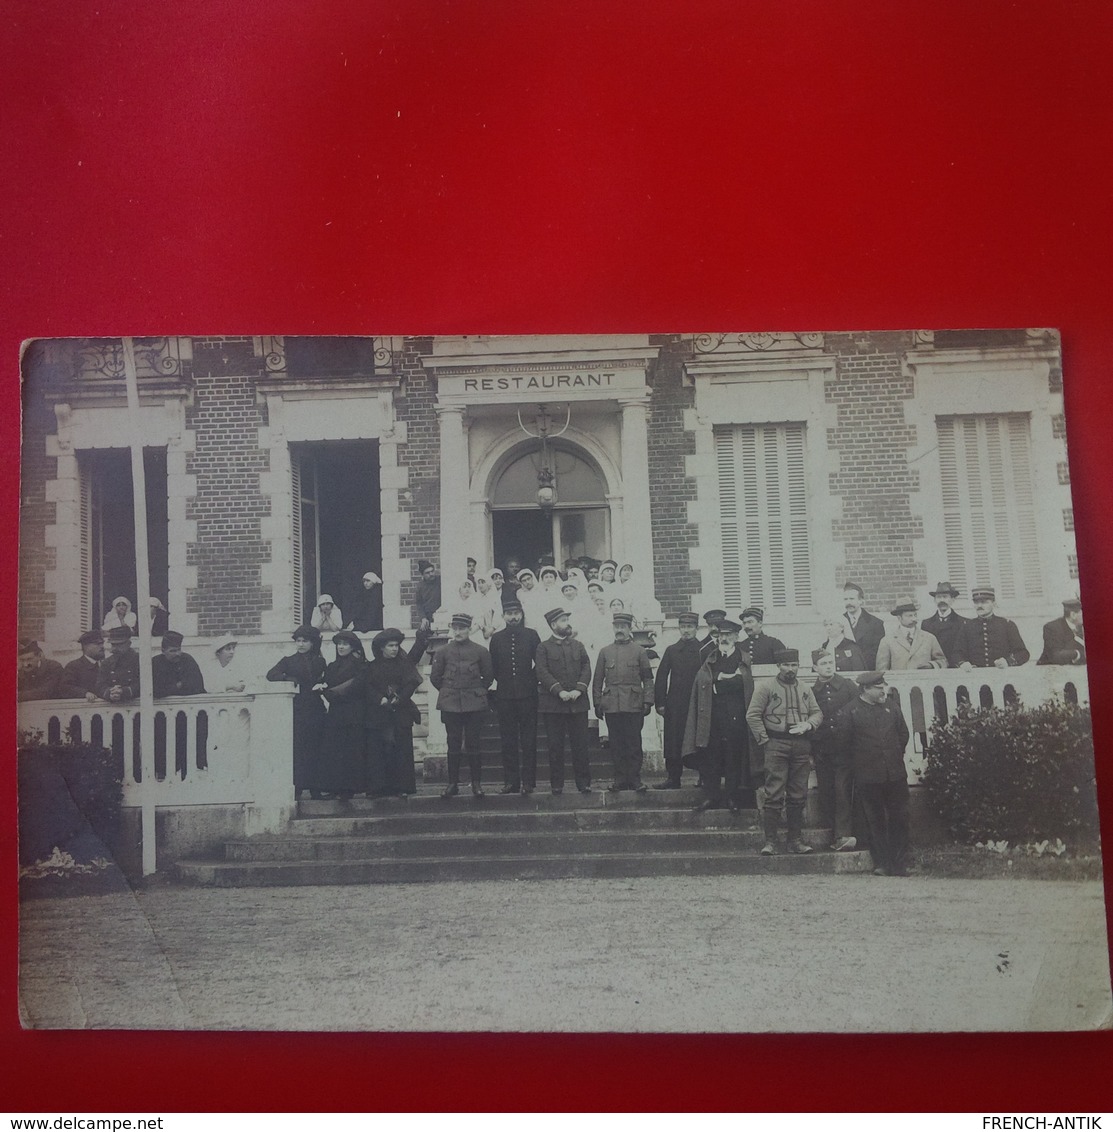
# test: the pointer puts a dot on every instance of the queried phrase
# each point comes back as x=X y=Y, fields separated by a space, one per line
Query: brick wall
x=670 y=489
x=228 y=505
x=36 y=467
x=413 y=403
x=874 y=480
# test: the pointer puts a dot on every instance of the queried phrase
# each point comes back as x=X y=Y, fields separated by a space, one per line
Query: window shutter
x=988 y=504
x=295 y=537
x=85 y=530
x=763 y=494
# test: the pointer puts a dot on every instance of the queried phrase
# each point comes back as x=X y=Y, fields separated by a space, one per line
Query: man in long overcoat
x=513 y=649
x=908 y=646
x=716 y=736
x=945 y=625
x=672 y=693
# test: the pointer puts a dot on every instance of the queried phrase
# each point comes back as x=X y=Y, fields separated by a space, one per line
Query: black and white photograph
x=681 y=682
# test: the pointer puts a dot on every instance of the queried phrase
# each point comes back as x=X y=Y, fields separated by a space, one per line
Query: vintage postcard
x=704 y=682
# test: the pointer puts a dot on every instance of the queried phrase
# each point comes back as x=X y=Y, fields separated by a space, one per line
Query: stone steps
x=614 y=865
x=540 y=836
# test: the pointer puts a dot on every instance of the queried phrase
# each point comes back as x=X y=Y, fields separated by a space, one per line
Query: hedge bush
x=92 y=777
x=1015 y=773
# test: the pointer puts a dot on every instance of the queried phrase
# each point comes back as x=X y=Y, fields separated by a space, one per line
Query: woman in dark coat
x=306 y=667
x=391 y=680
x=340 y=766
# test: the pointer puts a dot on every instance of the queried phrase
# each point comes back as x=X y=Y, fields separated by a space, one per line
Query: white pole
x=142 y=615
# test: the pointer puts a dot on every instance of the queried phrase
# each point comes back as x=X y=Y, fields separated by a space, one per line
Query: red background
x=414 y=166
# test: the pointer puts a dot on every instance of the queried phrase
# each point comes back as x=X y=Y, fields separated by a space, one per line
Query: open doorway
x=337 y=521
x=524 y=535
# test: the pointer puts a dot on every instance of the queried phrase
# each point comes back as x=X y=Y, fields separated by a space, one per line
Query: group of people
x=752 y=740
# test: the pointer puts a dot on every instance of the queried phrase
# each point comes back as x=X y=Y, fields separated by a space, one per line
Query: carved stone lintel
x=923 y=337
x=758 y=342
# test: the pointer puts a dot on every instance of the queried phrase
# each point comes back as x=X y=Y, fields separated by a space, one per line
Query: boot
x=771 y=820
x=796 y=843
x=450 y=791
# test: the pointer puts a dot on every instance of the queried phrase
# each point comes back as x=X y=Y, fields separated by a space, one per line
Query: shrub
x=1015 y=774
x=57 y=778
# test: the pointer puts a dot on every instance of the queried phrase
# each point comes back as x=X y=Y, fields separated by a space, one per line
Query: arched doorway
x=578 y=524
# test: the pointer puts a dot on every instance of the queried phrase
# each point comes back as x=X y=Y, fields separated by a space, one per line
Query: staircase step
x=535 y=843
x=527 y=867
x=429 y=798
x=452 y=819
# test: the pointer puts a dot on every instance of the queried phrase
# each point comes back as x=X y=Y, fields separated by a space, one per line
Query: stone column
x=638 y=540
x=455 y=513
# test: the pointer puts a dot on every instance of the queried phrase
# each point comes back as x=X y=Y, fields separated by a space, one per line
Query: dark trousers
x=573 y=727
x=885 y=805
x=625 y=729
x=463 y=729
x=721 y=771
x=834 y=778
x=518 y=734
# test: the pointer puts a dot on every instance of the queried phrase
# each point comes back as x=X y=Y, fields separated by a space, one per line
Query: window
x=763 y=506
x=108 y=530
x=989 y=516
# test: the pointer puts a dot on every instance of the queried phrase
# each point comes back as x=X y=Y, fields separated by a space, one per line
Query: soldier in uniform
x=783 y=716
x=461 y=672
x=79 y=679
x=908 y=646
x=623 y=691
x=872 y=733
x=865 y=629
x=833 y=774
x=118 y=681
x=716 y=739
x=672 y=693
x=945 y=624
x=563 y=673
x=755 y=644
x=989 y=641
x=513 y=649
x=1063 y=639
x=173 y=672
x=37 y=678
x=713 y=618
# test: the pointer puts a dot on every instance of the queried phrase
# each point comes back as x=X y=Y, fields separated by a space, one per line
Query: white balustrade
x=209 y=750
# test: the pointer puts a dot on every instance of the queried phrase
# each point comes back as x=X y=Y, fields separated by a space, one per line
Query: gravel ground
x=688 y=954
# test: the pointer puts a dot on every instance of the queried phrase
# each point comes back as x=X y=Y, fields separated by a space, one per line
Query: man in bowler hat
x=945 y=625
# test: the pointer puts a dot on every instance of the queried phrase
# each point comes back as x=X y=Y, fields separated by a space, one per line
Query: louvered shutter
x=85 y=530
x=295 y=537
x=763 y=503
x=988 y=500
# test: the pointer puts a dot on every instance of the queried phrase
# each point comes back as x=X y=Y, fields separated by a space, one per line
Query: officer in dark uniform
x=37 y=678
x=79 y=679
x=462 y=673
x=833 y=773
x=713 y=618
x=989 y=641
x=512 y=652
x=755 y=644
x=623 y=691
x=173 y=672
x=945 y=625
x=672 y=693
x=563 y=672
x=118 y=681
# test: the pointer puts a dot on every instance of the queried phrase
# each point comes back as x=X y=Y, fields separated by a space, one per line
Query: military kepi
x=688 y=619
x=753 y=611
x=554 y=614
x=91 y=637
x=172 y=638
x=714 y=616
x=819 y=654
x=728 y=626
x=461 y=621
x=870 y=679
x=122 y=633
x=623 y=619
x=979 y=592
x=786 y=656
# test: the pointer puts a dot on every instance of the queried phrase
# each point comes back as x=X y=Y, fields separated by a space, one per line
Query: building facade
x=728 y=469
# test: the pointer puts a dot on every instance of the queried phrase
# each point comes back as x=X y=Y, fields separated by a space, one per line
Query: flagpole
x=142 y=614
